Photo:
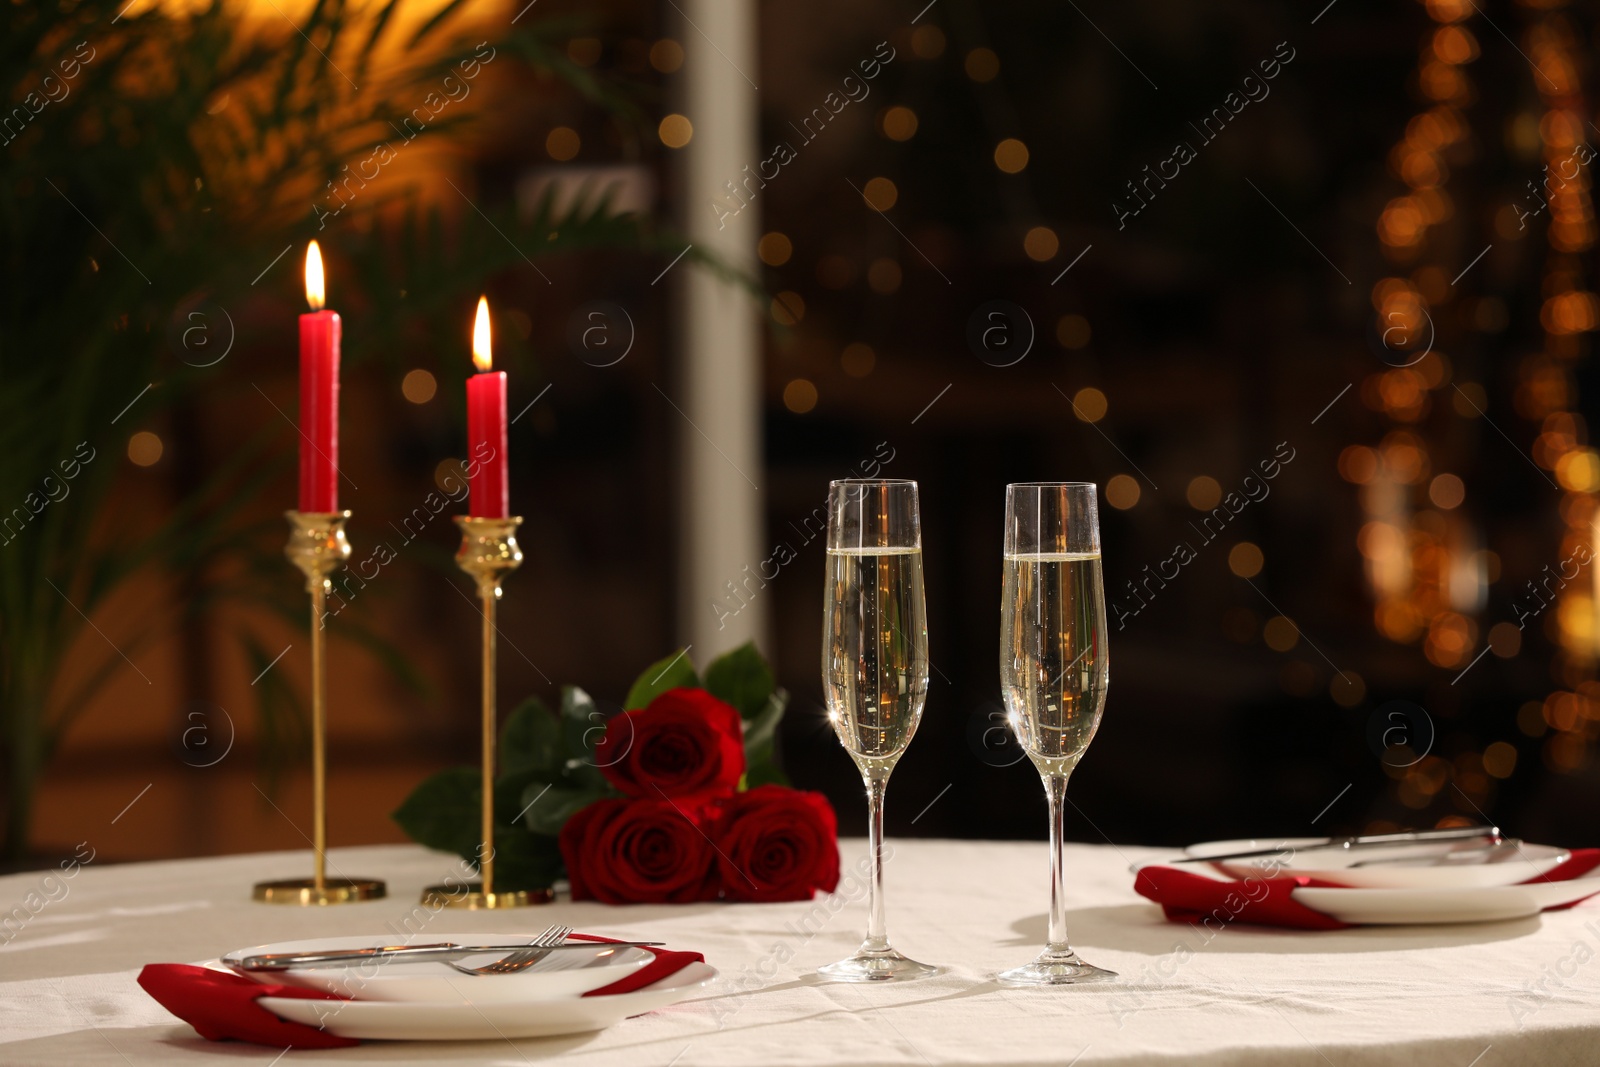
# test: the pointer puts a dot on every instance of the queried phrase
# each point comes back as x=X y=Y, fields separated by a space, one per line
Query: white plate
x=461 y=1021
x=565 y=973
x=1334 y=864
x=1393 y=907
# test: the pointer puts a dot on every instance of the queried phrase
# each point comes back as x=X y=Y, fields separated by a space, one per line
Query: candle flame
x=481 y=356
x=316 y=290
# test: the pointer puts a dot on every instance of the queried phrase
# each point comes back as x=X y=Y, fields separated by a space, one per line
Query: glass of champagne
x=1054 y=670
x=875 y=670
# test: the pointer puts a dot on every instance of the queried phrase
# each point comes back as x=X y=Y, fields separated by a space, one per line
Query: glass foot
x=1056 y=968
x=881 y=965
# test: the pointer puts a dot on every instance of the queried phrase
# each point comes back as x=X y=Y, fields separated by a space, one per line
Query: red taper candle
x=319 y=395
x=486 y=427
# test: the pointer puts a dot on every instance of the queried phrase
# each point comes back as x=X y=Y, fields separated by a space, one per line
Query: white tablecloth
x=1523 y=992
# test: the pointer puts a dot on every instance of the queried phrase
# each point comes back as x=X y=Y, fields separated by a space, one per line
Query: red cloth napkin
x=221 y=1006
x=1188 y=897
x=666 y=962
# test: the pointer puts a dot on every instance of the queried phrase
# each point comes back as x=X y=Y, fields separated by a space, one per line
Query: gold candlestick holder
x=317 y=546
x=488 y=553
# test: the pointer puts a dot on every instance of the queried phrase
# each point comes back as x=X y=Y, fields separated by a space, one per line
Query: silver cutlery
x=1489 y=834
x=441 y=951
x=1499 y=852
x=521 y=959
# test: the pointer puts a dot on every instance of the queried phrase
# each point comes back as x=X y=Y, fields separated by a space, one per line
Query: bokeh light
x=562 y=143
x=858 y=359
x=675 y=130
x=1041 y=244
x=1011 y=156
x=1072 y=331
x=1203 y=492
x=883 y=275
x=1089 y=404
x=927 y=42
x=1245 y=559
x=898 y=123
x=788 y=308
x=880 y=193
x=419 y=386
x=1122 y=492
x=800 y=396
x=666 y=55
x=982 y=65
x=1280 y=633
x=774 y=249
x=145 y=448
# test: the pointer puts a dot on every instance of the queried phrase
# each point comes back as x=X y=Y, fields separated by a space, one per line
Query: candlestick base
x=471 y=897
x=306 y=893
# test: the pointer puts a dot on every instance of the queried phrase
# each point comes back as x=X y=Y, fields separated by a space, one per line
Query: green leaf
x=673 y=672
x=582 y=727
x=765 y=773
x=444 y=811
x=743 y=679
x=530 y=740
x=524 y=859
x=548 y=807
x=761 y=730
x=760 y=739
x=508 y=790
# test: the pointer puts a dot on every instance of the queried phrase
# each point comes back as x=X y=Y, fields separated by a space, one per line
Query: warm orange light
x=316 y=289
x=481 y=357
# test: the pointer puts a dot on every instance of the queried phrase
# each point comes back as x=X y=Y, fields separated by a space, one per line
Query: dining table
x=1524 y=991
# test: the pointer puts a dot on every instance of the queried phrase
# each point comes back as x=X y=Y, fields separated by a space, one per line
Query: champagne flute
x=1054 y=670
x=874 y=670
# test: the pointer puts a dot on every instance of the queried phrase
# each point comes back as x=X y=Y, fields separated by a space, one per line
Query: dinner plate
x=1404 y=866
x=1393 y=907
x=487 y=1021
x=568 y=972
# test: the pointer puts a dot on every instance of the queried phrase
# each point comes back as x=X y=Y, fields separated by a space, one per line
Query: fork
x=522 y=959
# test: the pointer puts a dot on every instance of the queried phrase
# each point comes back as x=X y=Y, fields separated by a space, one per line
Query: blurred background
x=1307 y=289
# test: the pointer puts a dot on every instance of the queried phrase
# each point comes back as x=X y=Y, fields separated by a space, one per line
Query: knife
x=1414 y=837
x=278 y=961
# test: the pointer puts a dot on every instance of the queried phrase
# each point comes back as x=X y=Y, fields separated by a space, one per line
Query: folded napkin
x=221 y=1005
x=1188 y=897
x=666 y=962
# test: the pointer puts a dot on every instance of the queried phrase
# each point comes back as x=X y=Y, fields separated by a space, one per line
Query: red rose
x=640 y=852
x=778 y=844
x=685 y=741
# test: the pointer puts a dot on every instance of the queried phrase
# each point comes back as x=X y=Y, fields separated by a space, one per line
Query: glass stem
x=877 y=931
x=1056 y=787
